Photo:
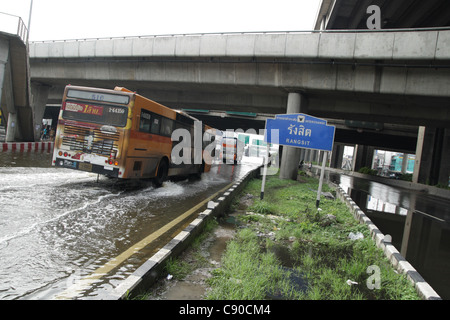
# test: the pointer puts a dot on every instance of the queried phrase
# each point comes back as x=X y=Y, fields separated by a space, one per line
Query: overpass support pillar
x=39 y=95
x=432 y=156
x=6 y=93
x=290 y=159
x=362 y=157
x=337 y=156
x=4 y=66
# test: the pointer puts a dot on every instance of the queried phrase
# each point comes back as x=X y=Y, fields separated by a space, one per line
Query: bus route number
x=98 y=97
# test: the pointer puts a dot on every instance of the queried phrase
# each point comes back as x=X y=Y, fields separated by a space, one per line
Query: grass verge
x=287 y=249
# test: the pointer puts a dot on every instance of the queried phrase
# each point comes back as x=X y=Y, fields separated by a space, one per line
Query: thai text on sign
x=84 y=108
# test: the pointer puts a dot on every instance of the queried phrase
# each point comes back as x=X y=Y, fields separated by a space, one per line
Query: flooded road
x=58 y=226
x=418 y=223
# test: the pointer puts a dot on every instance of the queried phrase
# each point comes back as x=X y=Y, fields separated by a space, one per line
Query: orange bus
x=121 y=134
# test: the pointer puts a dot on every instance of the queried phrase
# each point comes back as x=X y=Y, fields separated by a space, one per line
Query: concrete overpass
x=388 y=78
x=433 y=146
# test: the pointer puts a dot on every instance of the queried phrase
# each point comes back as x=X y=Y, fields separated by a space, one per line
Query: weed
x=247 y=272
x=178 y=268
x=262 y=207
x=322 y=253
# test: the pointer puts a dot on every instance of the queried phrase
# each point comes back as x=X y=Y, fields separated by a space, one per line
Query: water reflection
x=380 y=205
x=37 y=159
x=418 y=223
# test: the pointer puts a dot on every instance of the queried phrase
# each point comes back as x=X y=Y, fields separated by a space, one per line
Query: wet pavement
x=58 y=226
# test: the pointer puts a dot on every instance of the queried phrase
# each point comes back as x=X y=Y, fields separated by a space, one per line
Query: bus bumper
x=88 y=167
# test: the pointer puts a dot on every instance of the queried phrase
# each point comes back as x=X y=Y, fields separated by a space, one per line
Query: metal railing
x=14 y=25
x=245 y=33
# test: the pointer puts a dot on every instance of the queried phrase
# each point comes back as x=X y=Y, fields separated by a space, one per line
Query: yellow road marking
x=84 y=283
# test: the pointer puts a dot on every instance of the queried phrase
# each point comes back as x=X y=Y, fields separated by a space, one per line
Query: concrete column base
x=290 y=159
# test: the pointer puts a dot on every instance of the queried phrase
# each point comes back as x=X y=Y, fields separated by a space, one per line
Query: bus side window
x=156 y=124
x=166 y=127
x=145 y=122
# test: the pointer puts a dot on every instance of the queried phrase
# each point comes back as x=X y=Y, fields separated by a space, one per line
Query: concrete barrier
x=424 y=290
x=148 y=273
x=27 y=146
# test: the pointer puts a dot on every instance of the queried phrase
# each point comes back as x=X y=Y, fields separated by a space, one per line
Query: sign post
x=322 y=173
x=301 y=131
x=266 y=163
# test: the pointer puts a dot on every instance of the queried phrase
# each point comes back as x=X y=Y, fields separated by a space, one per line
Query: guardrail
x=13 y=24
x=247 y=33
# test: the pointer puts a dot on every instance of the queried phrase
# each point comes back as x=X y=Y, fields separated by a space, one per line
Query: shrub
x=366 y=170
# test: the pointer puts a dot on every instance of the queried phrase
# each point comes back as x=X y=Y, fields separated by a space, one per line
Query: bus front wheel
x=161 y=175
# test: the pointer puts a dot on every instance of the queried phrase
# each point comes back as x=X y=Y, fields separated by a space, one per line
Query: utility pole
x=29 y=21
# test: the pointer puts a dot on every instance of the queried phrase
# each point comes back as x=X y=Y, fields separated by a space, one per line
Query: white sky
x=79 y=19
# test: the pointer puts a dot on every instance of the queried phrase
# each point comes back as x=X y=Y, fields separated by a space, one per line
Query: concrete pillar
x=303 y=155
x=317 y=157
x=444 y=168
x=7 y=95
x=11 y=128
x=362 y=157
x=4 y=55
x=405 y=163
x=432 y=165
x=320 y=156
x=39 y=95
x=291 y=156
x=337 y=156
x=419 y=152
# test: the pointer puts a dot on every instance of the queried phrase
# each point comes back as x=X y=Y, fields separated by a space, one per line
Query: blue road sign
x=300 y=131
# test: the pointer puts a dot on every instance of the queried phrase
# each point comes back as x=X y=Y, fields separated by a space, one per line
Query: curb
x=148 y=273
x=26 y=146
x=424 y=290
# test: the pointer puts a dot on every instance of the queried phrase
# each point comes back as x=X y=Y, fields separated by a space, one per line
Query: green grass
x=321 y=253
x=248 y=273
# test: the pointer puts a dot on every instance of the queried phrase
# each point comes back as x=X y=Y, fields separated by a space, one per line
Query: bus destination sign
x=84 y=108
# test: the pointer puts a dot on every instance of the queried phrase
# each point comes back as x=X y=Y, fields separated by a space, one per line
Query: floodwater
x=418 y=223
x=58 y=226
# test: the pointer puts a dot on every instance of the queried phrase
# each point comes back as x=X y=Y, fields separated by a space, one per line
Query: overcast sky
x=79 y=19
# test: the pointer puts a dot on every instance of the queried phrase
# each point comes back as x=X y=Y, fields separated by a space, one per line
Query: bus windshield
x=95 y=113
